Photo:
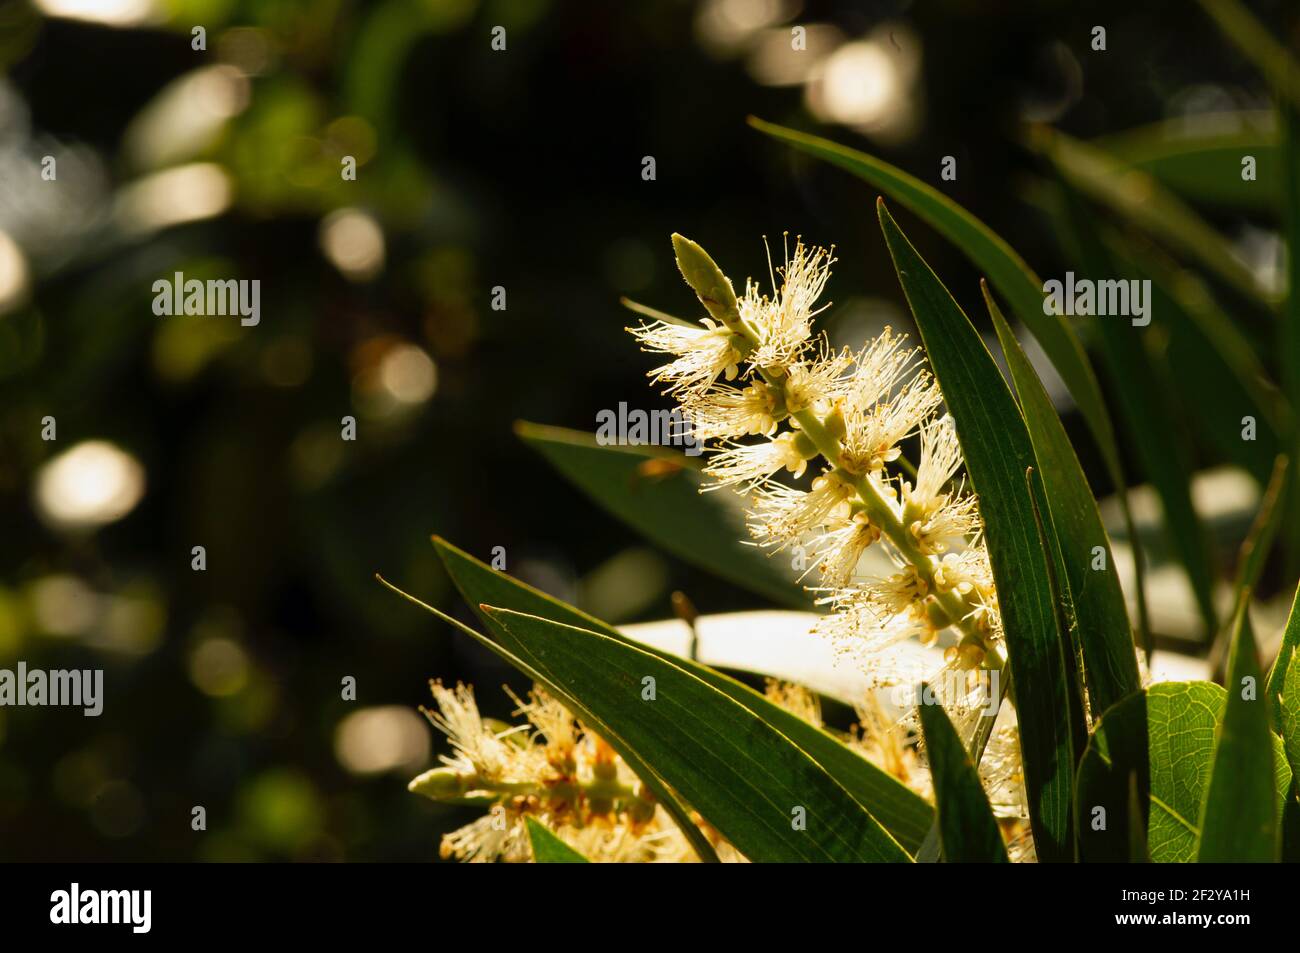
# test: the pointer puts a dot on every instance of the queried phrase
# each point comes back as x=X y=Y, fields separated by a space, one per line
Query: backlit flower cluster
x=773 y=398
x=553 y=769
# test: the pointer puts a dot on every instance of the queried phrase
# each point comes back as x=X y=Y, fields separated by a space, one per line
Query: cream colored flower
x=749 y=464
x=722 y=412
x=873 y=430
x=703 y=353
x=783 y=325
x=781 y=515
x=559 y=773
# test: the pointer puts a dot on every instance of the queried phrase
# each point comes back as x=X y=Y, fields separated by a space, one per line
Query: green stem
x=882 y=515
x=596 y=788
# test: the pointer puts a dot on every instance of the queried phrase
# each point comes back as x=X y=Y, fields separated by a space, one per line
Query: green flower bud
x=706 y=279
x=440 y=784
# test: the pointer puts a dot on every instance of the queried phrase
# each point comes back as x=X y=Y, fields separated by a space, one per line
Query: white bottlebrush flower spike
x=553 y=769
x=844 y=417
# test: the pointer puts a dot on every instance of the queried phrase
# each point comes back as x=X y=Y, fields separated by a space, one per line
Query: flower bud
x=706 y=279
x=440 y=784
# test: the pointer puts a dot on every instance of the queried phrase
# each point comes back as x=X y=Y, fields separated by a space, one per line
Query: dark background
x=520 y=169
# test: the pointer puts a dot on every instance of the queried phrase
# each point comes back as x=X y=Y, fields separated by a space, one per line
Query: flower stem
x=883 y=516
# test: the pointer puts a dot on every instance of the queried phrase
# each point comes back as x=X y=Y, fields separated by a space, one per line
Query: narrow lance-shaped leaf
x=1009 y=274
x=1110 y=663
x=968 y=831
x=1071 y=654
x=1288 y=708
x=1259 y=541
x=1203 y=342
x=929 y=851
x=1116 y=767
x=548 y=848
x=1138 y=851
x=1205 y=167
x=900 y=810
x=1239 y=819
x=656 y=491
x=1286 y=657
x=1255 y=549
x=1140 y=199
x=761 y=792
x=1158 y=432
x=997 y=452
x=671 y=803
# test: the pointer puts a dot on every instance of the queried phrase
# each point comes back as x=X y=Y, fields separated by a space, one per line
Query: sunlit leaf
x=901 y=811
x=998 y=451
x=1239 y=817
x=968 y=831
x=1159 y=434
x=529 y=666
x=765 y=795
x=1165 y=737
x=1205 y=167
x=1110 y=663
x=548 y=848
x=1288 y=708
x=1279 y=673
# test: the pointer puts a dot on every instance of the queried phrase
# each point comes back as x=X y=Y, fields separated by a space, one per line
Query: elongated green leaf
x=998 y=451
x=929 y=851
x=1138 y=851
x=671 y=803
x=1254 y=553
x=1071 y=651
x=548 y=848
x=1291 y=827
x=1278 y=673
x=900 y=810
x=1259 y=541
x=656 y=491
x=1010 y=275
x=766 y=796
x=1159 y=435
x=1288 y=708
x=968 y=831
x=1204 y=343
x=1239 y=817
x=1110 y=663
x=1140 y=199
x=1206 y=167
